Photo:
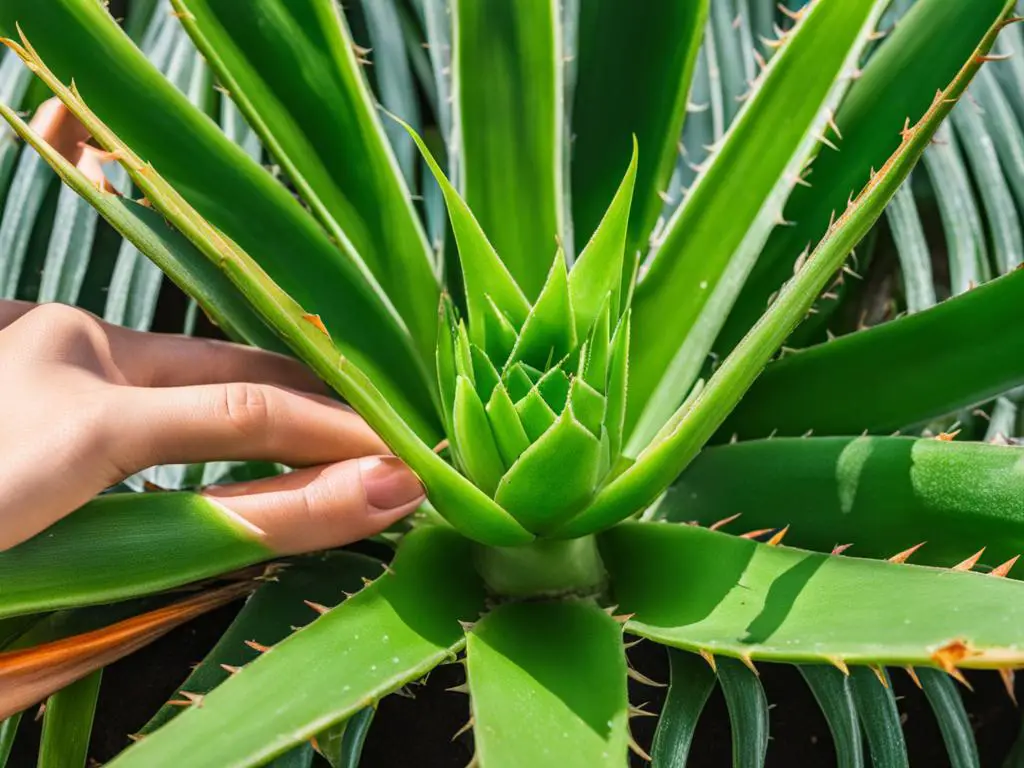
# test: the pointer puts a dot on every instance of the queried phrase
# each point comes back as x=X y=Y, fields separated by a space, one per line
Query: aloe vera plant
x=545 y=373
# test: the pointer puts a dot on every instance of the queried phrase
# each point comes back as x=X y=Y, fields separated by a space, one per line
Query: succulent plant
x=555 y=400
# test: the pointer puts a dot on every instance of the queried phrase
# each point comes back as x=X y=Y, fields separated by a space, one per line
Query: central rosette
x=535 y=399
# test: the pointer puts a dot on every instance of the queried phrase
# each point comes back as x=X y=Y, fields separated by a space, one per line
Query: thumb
x=324 y=507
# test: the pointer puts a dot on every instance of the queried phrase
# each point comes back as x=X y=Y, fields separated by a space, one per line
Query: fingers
x=168 y=360
x=239 y=421
x=324 y=507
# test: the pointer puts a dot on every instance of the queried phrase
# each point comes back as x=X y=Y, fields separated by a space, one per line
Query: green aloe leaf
x=474 y=439
x=507 y=67
x=619 y=93
x=972 y=126
x=292 y=597
x=881 y=494
x=535 y=414
x=32 y=179
x=549 y=331
x=876 y=706
x=341 y=745
x=958 y=206
x=69 y=249
x=548 y=686
x=485 y=274
x=957 y=731
x=757 y=601
x=277 y=61
x=86 y=559
x=526 y=491
x=833 y=692
x=234 y=193
x=639 y=485
x=919 y=55
x=617 y=388
x=691 y=684
x=950 y=370
x=8 y=730
x=392 y=632
x=712 y=241
x=748 y=713
x=597 y=273
x=912 y=249
x=508 y=430
x=67 y=724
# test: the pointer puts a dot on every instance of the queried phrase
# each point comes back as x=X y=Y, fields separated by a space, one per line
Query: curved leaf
x=958 y=353
x=67 y=724
x=394 y=631
x=876 y=705
x=957 y=731
x=639 y=485
x=748 y=713
x=507 y=66
x=548 y=686
x=620 y=93
x=290 y=598
x=689 y=688
x=711 y=242
x=278 y=60
x=832 y=691
x=880 y=494
x=745 y=599
x=918 y=56
x=88 y=557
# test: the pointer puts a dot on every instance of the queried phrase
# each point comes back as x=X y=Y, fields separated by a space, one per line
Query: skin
x=84 y=404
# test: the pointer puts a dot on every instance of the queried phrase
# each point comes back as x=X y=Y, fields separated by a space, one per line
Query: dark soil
x=419 y=731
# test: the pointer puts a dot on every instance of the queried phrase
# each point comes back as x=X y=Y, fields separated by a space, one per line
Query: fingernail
x=389 y=484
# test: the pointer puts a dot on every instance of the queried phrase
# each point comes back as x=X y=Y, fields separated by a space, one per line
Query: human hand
x=84 y=404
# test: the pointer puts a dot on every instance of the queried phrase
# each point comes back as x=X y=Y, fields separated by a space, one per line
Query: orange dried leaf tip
x=969 y=563
x=231 y=669
x=260 y=647
x=637 y=750
x=913 y=676
x=643 y=679
x=775 y=540
x=1008 y=680
x=1002 y=570
x=317 y=323
x=839 y=664
x=838 y=549
x=321 y=609
x=710 y=659
x=948 y=436
x=724 y=521
x=879 y=674
x=639 y=711
x=902 y=557
x=749 y=664
x=464 y=729
x=948 y=656
x=992 y=57
x=755 y=534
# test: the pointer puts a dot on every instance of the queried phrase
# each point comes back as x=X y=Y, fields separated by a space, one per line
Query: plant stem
x=544 y=568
